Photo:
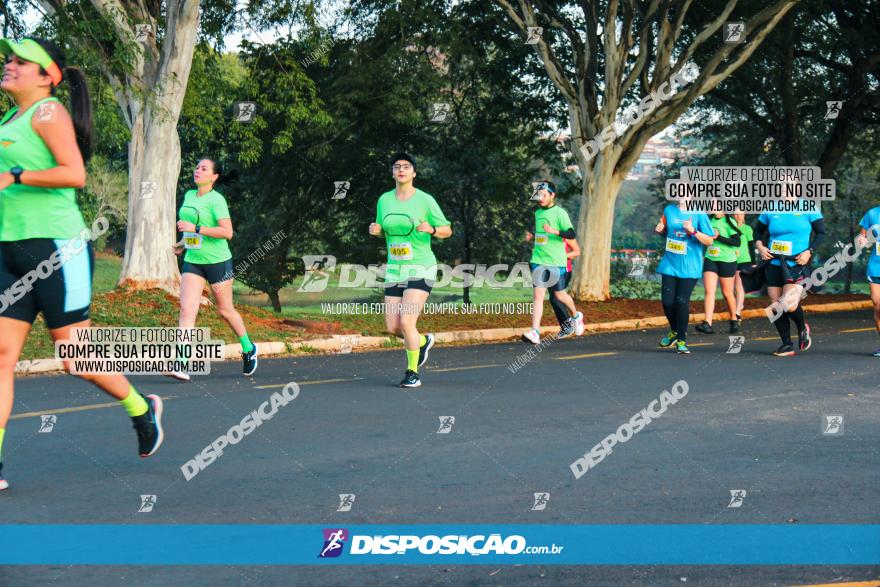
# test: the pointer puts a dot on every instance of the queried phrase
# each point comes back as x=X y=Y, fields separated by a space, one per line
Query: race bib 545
x=676 y=247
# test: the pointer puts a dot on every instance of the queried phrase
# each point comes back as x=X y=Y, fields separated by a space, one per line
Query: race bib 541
x=781 y=247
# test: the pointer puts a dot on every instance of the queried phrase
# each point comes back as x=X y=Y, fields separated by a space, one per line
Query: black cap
x=403 y=157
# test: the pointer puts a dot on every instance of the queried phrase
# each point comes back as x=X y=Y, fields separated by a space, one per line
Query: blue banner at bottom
x=230 y=544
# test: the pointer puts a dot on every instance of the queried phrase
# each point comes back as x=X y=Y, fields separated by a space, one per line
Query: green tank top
x=28 y=211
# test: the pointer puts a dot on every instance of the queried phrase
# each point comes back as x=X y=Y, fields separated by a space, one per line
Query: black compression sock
x=798 y=317
x=784 y=328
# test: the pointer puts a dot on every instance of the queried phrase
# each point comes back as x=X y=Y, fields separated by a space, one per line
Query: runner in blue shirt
x=791 y=247
x=871 y=222
x=681 y=266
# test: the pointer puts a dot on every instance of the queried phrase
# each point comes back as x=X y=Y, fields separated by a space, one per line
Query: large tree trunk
x=592 y=269
x=154 y=156
x=151 y=95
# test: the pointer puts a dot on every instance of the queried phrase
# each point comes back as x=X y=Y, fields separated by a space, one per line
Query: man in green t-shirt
x=408 y=217
x=549 y=264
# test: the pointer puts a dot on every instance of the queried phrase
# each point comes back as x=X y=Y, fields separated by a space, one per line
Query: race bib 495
x=400 y=251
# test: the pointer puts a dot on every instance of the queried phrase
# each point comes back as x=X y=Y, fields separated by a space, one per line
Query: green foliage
x=105 y=195
x=635 y=289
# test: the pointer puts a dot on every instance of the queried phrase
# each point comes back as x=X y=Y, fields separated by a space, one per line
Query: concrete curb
x=346 y=343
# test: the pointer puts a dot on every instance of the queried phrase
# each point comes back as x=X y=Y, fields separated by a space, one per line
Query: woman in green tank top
x=207 y=228
x=46 y=258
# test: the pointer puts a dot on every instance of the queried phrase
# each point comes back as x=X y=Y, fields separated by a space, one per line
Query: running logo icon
x=733 y=32
x=46 y=112
x=244 y=111
x=148 y=188
x=833 y=109
x=440 y=112
x=142 y=32
x=832 y=424
x=347 y=343
x=736 y=345
x=446 y=423
x=340 y=189
x=736 y=498
x=316 y=277
x=541 y=501
x=639 y=264
x=334 y=541
x=47 y=424
x=346 y=500
x=534 y=34
x=147 y=503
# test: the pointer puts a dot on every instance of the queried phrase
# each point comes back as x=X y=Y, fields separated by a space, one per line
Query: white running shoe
x=532 y=336
x=578 y=323
x=179 y=375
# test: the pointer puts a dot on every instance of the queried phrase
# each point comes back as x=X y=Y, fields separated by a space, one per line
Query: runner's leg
x=684 y=289
x=727 y=285
x=739 y=294
x=667 y=298
x=413 y=302
x=13 y=334
x=710 y=281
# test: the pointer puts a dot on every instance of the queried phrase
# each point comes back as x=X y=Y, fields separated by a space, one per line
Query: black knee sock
x=560 y=310
x=798 y=318
x=784 y=328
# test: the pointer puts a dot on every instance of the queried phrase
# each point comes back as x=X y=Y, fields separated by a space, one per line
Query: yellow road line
x=700 y=344
x=462 y=368
x=571 y=357
x=857 y=330
x=164 y=398
x=857 y=584
x=301 y=383
x=765 y=338
x=74 y=409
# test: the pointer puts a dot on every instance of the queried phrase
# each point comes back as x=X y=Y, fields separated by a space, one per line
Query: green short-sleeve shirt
x=206 y=211
x=409 y=251
x=549 y=249
x=718 y=251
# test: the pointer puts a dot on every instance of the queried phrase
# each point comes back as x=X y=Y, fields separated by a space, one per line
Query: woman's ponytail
x=80 y=110
x=80 y=101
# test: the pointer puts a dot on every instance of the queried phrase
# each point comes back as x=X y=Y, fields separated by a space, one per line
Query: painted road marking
x=164 y=398
x=462 y=368
x=858 y=584
x=74 y=409
x=700 y=344
x=588 y=355
x=857 y=330
x=316 y=382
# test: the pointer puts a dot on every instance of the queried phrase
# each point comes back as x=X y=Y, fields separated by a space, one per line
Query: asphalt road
x=750 y=421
